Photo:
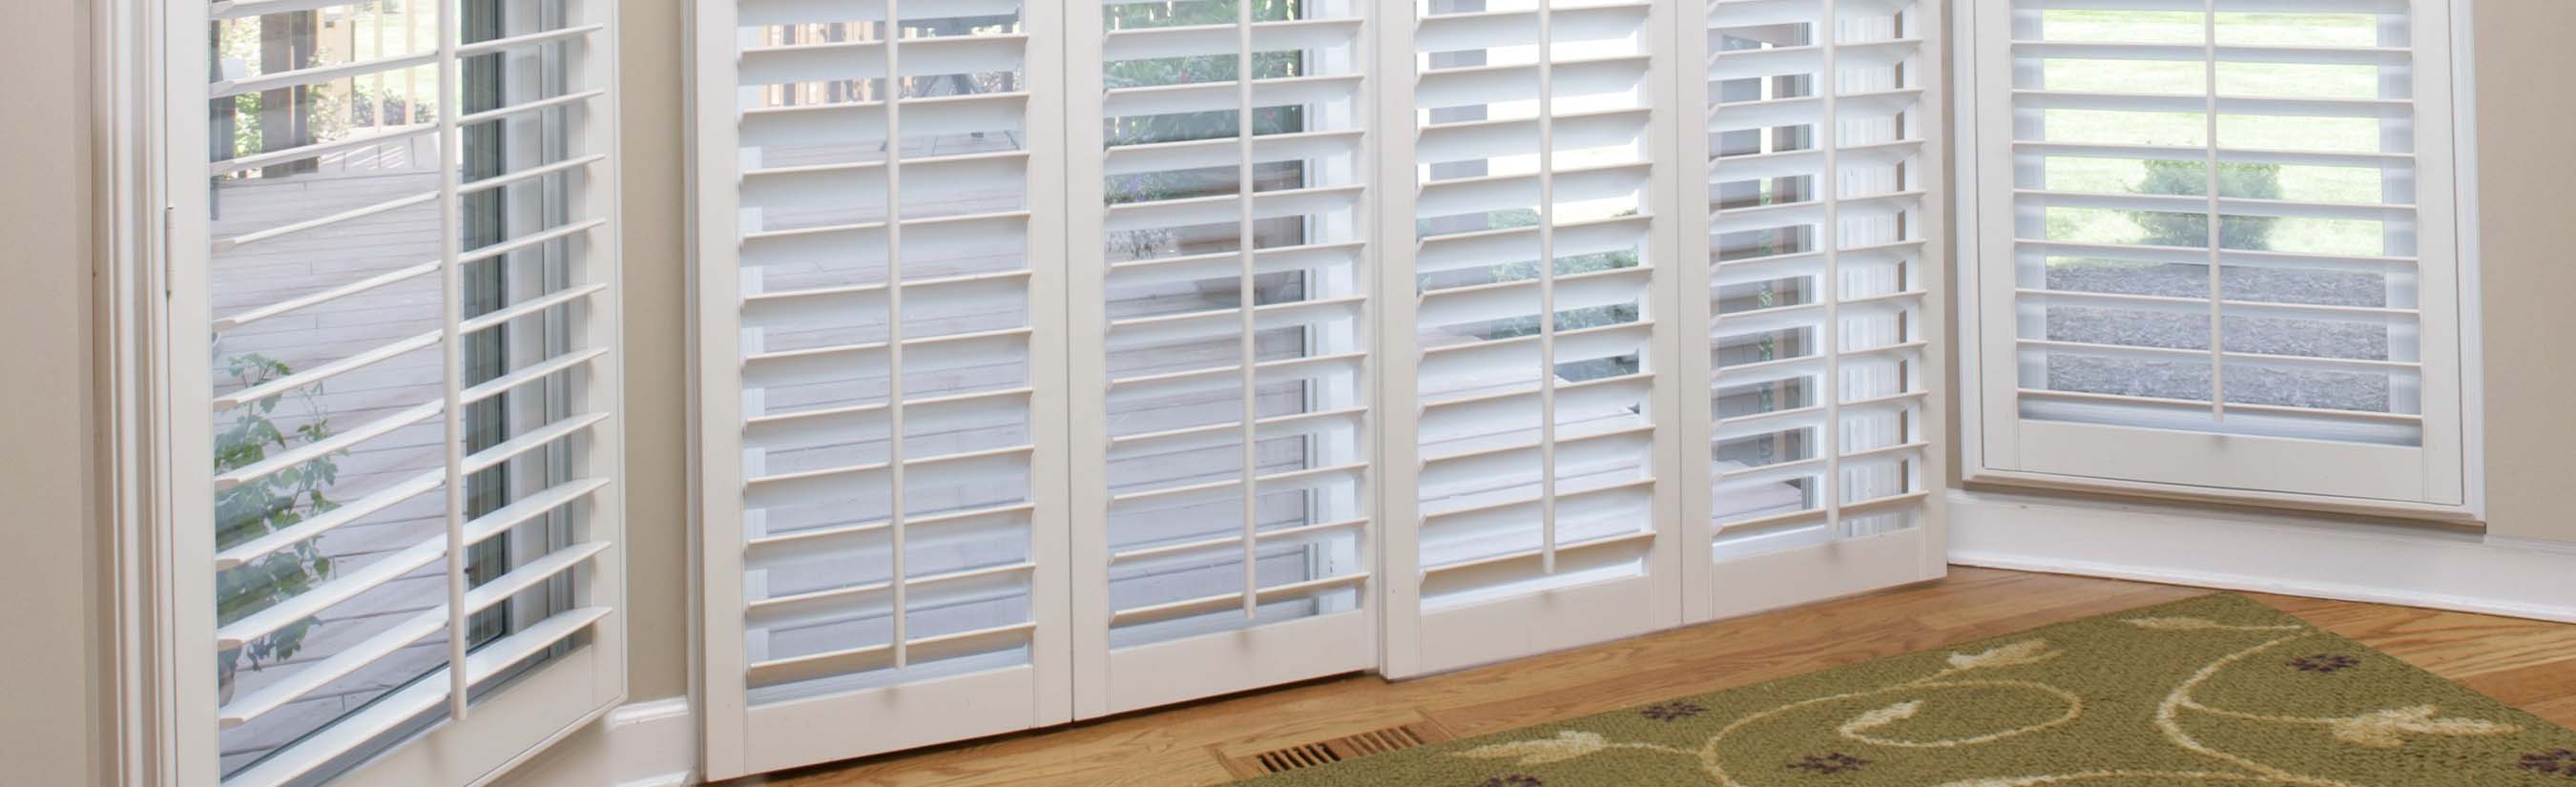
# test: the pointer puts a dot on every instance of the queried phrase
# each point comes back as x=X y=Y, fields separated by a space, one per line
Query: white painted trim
x=644 y=744
x=129 y=268
x=2472 y=256
x=1964 y=377
x=2287 y=554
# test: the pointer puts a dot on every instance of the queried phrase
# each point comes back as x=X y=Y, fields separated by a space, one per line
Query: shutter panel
x=410 y=406
x=1533 y=490
x=880 y=405
x=2223 y=218
x=1223 y=367
x=1822 y=176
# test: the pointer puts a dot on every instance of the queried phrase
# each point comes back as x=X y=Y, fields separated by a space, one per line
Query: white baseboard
x=644 y=744
x=2385 y=564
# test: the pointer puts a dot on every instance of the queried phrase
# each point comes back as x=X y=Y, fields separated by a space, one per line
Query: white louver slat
x=882 y=402
x=2225 y=217
x=393 y=227
x=1531 y=494
x=1224 y=493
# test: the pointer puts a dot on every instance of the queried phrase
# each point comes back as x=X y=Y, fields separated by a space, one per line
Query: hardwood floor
x=2529 y=664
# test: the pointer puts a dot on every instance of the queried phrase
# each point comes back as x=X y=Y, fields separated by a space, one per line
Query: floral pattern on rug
x=2561 y=762
x=1836 y=762
x=2328 y=663
x=2214 y=690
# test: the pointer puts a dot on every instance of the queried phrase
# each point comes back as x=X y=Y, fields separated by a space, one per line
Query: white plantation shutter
x=2221 y=234
x=1223 y=345
x=1532 y=492
x=1329 y=354
x=1821 y=177
x=882 y=411
x=393 y=241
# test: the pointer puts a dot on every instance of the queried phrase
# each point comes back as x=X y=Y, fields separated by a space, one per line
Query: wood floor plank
x=2456 y=645
x=1649 y=678
x=2036 y=595
x=2078 y=604
x=2561 y=712
x=2529 y=664
x=2530 y=684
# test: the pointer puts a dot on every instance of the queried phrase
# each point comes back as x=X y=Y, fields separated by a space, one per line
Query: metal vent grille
x=1295 y=757
x=1279 y=759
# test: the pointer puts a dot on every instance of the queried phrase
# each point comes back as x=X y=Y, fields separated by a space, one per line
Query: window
x=393 y=317
x=2218 y=248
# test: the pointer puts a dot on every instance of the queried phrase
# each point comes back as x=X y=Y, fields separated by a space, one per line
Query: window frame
x=1984 y=411
x=150 y=78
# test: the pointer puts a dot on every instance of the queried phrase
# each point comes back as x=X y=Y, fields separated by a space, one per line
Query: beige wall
x=657 y=382
x=2527 y=194
x=49 y=731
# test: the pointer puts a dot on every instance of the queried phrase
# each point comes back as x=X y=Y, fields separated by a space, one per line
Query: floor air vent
x=1277 y=759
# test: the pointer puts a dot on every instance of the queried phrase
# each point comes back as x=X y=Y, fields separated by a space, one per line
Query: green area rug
x=2215 y=690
